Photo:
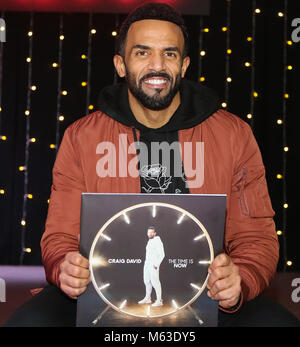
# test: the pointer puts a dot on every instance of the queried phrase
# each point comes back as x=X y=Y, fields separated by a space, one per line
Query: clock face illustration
x=118 y=252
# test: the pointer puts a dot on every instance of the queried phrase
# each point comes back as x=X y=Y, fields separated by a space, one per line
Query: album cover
x=149 y=256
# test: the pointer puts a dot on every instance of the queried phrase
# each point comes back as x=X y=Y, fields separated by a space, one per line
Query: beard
x=154 y=102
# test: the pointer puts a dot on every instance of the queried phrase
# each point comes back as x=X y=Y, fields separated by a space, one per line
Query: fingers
x=218 y=274
x=229 y=303
x=77 y=259
x=71 y=291
x=220 y=268
x=74 y=274
x=224 y=283
x=226 y=289
x=75 y=270
x=220 y=260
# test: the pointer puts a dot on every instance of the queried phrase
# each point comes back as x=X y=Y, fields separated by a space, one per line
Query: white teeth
x=155 y=81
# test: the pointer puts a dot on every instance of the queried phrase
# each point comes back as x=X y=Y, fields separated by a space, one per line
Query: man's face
x=151 y=233
x=153 y=64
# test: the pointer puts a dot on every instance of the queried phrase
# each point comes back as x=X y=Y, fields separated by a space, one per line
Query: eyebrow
x=166 y=49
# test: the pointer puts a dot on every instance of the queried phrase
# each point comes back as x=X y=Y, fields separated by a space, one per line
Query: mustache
x=156 y=74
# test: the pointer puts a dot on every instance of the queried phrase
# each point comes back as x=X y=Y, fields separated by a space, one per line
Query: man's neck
x=149 y=118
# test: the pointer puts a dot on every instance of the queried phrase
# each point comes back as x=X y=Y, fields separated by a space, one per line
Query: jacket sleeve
x=160 y=252
x=63 y=220
x=251 y=239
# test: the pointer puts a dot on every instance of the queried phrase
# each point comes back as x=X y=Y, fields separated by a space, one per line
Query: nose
x=156 y=62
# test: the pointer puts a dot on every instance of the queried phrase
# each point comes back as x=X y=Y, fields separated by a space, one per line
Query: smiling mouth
x=156 y=82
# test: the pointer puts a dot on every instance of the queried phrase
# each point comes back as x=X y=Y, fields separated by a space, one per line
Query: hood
x=197 y=104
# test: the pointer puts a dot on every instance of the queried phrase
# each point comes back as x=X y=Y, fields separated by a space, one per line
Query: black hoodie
x=158 y=175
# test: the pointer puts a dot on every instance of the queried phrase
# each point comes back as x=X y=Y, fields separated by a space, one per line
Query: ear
x=185 y=65
x=119 y=65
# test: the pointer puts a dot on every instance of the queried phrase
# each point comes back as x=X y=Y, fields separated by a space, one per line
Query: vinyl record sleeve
x=173 y=266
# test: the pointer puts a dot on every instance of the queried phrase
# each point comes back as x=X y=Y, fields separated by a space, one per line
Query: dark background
x=268 y=107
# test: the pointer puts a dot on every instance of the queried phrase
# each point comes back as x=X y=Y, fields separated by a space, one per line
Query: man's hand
x=74 y=274
x=224 y=283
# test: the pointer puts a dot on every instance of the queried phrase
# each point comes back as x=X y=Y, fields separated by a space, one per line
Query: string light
x=2 y=137
x=289 y=263
x=251 y=64
x=284 y=137
x=227 y=78
x=1 y=84
x=89 y=64
x=59 y=82
x=30 y=88
x=201 y=78
x=227 y=30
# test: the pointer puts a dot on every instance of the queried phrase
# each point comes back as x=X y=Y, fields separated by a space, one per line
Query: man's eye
x=171 y=54
x=142 y=53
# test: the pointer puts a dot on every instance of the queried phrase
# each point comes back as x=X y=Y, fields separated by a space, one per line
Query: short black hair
x=152 y=10
x=152 y=228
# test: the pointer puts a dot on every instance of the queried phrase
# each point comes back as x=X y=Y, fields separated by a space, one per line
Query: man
x=156 y=104
x=154 y=256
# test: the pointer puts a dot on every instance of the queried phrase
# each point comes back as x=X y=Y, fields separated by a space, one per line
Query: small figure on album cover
x=154 y=256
